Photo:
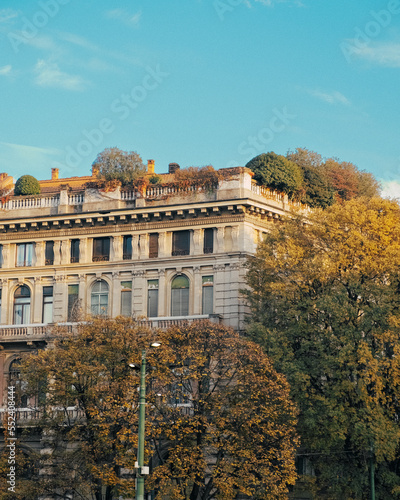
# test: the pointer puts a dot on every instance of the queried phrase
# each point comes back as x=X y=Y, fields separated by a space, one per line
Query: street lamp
x=142 y=471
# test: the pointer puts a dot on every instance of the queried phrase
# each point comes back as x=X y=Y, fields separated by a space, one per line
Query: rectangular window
x=208 y=245
x=25 y=254
x=1 y=255
x=47 y=304
x=73 y=302
x=181 y=243
x=207 y=294
x=101 y=249
x=152 y=298
x=127 y=247
x=75 y=250
x=153 y=245
x=49 y=253
x=126 y=298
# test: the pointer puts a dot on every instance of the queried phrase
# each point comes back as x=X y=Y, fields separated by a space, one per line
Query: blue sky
x=199 y=82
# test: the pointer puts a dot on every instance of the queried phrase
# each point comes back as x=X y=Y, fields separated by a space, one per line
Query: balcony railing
x=26 y=415
x=164 y=322
x=42 y=331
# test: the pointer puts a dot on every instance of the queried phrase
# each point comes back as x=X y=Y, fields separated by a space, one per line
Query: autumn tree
x=324 y=293
x=348 y=181
x=113 y=164
x=277 y=172
x=219 y=420
x=317 y=190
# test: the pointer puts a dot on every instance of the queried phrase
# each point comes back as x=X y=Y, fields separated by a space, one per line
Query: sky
x=199 y=82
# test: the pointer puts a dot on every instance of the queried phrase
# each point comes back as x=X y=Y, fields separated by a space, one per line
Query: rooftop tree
x=113 y=164
x=277 y=172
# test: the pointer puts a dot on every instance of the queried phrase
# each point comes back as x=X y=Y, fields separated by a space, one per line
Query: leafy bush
x=27 y=185
x=277 y=172
x=113 y=164
x=155 y=179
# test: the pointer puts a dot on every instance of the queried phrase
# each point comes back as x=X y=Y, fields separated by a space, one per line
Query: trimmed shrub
x=27 y=185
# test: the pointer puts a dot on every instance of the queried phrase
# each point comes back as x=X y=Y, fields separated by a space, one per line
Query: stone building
x=162 y=254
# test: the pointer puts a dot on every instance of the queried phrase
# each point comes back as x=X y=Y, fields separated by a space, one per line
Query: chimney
x=173 y=167
x=54 y=174
x=150 y=166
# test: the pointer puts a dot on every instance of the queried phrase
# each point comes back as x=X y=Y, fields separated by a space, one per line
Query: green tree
x=27 y=185
x=277 y=172
x=324 y=293
x=317 y=189
x=113 y=164
x=219 y=420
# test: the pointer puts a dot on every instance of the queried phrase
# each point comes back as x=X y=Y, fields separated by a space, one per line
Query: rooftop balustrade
x=233 y=184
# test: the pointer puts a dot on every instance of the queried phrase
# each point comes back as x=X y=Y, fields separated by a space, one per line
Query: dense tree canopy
x=123 y=166
x=348 y=181
x=276 y=172
x=326 y=304
x=219 y=419
x=307 y=177
x=27 y=185
x=317 y=190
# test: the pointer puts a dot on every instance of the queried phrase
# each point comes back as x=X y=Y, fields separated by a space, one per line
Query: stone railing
x=168 y=321
x=268 y=193
x=23 y=331
x=238 y=185
x=23 y=416
x=30 y=202
x=36 y=331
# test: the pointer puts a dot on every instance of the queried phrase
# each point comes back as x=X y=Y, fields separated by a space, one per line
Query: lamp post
x=142 y=420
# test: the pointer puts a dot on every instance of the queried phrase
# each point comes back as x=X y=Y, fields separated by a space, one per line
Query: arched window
x=99 y=298
x=22 y=305
x=180 y=296
x=21 y=399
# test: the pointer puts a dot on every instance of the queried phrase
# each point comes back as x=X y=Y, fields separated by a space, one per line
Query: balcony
x=25 y=417
x=42 y=331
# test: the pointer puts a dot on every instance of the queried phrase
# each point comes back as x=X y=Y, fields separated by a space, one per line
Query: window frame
x=28 y=251
x=100 y=295
x=181 y=243
x=49 y=253
x=25 y=302
x=101 y=254
x=180 y=296
x=127 y=247
x=208 y=240
x=47 y=300
x=74 y=250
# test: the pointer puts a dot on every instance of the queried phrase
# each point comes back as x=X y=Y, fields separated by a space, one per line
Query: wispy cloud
x=333 y=97
x=380 y=53
x=25 y=159
x=48 y=74
x=6 y=70
x=74 y=39
x=124 y=16
x=32 y=149
x=7 y=15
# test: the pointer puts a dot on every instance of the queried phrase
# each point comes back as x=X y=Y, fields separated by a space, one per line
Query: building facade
x=162 y=254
